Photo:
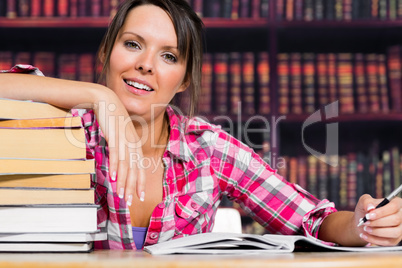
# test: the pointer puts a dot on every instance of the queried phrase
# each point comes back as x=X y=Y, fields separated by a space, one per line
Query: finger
x=392 y=220
x=121 y=179
x=113 y=163
x=131 y=182
x=394 y=207
x=141 y=183
x=389 y=232
x=378 y=240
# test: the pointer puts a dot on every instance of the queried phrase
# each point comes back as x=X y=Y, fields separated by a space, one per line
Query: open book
x=233 y=243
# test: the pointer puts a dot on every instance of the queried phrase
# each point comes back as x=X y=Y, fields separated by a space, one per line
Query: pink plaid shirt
x=202 y=163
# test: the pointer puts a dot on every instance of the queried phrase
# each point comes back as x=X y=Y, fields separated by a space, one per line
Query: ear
x=184 y=85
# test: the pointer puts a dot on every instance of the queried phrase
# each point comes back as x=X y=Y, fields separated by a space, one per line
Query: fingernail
x=370 y=216
x=370 y=207
x=129 y=200
x=114 y=176
x=368 y=229
x=362 y=236
x=121 y=193
x=142 y=196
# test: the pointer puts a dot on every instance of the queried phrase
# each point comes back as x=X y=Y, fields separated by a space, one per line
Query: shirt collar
x=181 y=127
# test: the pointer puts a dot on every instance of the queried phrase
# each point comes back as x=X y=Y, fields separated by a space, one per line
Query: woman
x=151 y=52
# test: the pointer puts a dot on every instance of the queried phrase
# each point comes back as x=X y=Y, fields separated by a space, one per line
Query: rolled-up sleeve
x=279 y=206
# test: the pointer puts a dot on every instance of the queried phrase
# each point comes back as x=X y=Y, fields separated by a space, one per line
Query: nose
x=145 y=63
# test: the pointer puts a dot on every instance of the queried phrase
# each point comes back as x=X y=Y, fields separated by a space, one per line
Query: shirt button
x=161 y=205
x=193 y=205
x=153 y=235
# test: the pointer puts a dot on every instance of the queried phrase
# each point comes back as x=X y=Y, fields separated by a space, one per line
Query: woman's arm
x=384 y=227
x=106 y=105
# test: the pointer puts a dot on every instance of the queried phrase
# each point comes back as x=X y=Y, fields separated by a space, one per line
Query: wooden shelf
x=390 y=117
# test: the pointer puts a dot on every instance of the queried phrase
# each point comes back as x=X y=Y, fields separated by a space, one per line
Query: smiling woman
x=141 y=143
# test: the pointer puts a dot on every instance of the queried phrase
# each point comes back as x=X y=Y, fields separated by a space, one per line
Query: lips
x=138 y=85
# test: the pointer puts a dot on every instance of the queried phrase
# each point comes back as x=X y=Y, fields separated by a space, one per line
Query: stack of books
x=46 y=199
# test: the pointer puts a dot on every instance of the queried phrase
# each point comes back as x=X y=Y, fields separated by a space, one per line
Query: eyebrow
x=143 y=40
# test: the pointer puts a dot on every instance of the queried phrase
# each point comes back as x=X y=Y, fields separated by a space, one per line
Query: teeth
x=138 y=85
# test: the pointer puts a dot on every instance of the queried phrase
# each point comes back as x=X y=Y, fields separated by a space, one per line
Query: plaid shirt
x=202 y=163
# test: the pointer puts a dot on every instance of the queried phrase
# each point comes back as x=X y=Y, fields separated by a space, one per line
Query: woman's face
x=146 y=70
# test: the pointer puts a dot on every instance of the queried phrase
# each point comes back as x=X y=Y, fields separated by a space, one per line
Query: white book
x=52 y=237
x=63 y=218
x=46 y=247
x=234 y=243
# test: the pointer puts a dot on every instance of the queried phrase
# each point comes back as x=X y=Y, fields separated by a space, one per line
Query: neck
x=154 y=135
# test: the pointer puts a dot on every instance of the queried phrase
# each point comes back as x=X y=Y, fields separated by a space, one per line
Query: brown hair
x=189 y=30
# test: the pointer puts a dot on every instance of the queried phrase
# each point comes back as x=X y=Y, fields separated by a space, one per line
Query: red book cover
x=86 y=67
x=45 y=61
x=263 y=83
x=382 y=83
x=82 y=8
x=360 y=83
x=67 y=66
x=293 y=170
x=48 y=8
x=221 y=82
x=205 y=105
x=308 y=69
x=283 y=83
x=289 y=10
x=62 y=8
x=374 y=9
x=105 y=8
x=298 y=9
x=235 y=9
x=244 y=9
x=280 y=9
x=322 y=81
x=248 y=83
x=345 y=83
x=295 y=83
x=372 y=82
x=235 y=74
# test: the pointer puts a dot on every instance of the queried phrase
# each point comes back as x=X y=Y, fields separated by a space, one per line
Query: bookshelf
x=365 y=32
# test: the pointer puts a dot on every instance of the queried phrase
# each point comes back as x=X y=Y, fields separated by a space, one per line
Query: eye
x=170 y=57
x=132 y=44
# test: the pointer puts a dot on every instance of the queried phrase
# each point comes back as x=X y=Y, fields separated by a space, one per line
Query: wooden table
x=126 y=258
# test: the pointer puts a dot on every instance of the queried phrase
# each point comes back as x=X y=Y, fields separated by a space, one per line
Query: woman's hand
x=384 y=225
x=124 y=147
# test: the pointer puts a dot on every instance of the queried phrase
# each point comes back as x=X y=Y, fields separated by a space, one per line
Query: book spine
x=255 y=9
x=302 y=171
x=333 y=193
x=312 y=184
x=332 y=78
x=289 y=10
x=338 y=9
x=392 y=10
x=319 y=10
x=244 y=9
x=374 y=9
x=345 y=82
x=23 y=8
x=198 y=8
x=48 y=8
x=226 y=9
x=343 y=184
x=372 y=82
x=399 y=9
x=351 y=180
x=322 y=178
x=205 y=106
x=382 y=83
x=6 y=60
x=45 y=61
x=283 y=83
x=298 y=10
x=235 y=72
x=86 y=67
x=248 y=83
x=264 y=8
x=22 y=58
x=221 y=82
x=394 y=75
x=68 y=66
x=293 y=170
x=347 y=10
x=263 y=70
x=386 y=160
x=382 y=9
x=295 y=83
x=280 y=10
x=96 y=8
x=322 y=80
x=308 y=69
x=74 y=8
x=308 y=10
x=62 y=8
x=360 y=83
x=11 y=9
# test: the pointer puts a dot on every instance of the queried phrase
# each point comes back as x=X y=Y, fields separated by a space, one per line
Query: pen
x=383 y=202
